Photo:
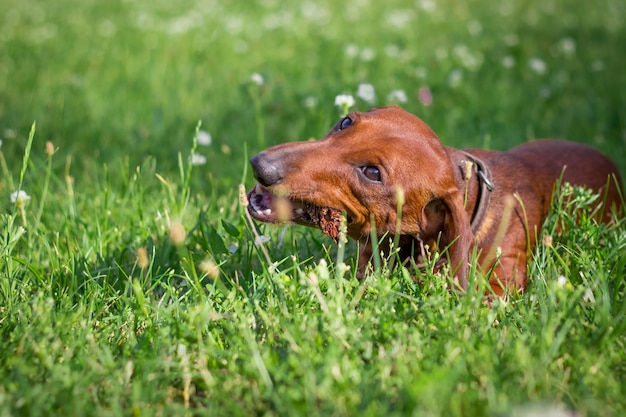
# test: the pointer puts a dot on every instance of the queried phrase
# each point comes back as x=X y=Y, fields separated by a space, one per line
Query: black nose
x=267 y=171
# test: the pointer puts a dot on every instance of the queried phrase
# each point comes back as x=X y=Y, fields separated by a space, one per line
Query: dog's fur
x=454 y=200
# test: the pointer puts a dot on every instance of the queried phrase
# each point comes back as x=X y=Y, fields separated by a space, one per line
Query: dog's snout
x=267 y=171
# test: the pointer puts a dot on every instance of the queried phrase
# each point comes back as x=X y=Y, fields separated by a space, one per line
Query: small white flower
x=398 y=96
x=261 y=240
x=352 y=51
x=474 y=28
x=561 y=281
x=198 y=159
x=538 y=66
x=257 y=78
x=344 y=101
x=508 y=62
x=204 y=138
x=455 y=77
x=568 y=46
x=368 y=54
x=428 y=6
x=9 y=133
x=597 y=66
x=310 y=102
x=421 y=72
x=20 y=198
x=545 y=92
x=366 y=93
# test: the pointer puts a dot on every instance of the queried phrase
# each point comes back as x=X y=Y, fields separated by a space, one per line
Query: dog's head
x=361 y=168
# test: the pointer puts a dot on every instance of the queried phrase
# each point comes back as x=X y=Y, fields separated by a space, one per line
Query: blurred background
x=121 y=81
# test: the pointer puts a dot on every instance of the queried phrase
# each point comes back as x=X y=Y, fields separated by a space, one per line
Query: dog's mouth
x=269 y=208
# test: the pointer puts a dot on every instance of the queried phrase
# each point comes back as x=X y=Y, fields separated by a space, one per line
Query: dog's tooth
x=266 y=212
x=299 y=211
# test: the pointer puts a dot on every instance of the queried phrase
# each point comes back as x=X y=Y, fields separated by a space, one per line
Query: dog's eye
x=371 y=173
x=345 y=123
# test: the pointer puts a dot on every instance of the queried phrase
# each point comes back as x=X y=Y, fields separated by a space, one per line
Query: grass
x=131 y=283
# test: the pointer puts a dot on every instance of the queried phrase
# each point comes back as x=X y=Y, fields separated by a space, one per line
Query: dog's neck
x=473 y=177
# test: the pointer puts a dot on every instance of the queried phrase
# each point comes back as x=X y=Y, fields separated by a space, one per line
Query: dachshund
x=388 y=172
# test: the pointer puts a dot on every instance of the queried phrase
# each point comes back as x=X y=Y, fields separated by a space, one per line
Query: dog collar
x=484 y=191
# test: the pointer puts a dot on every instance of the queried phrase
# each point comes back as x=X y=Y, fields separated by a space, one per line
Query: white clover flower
x=474 y=28
x=397 y=96
x=428 y=6
x=204 y=138
x=366 y=93
x=511 y=39
x=345 y=101
x=352 y=51
x=597 y=66
x=368 y=54
x=198 y=159
x=20 y=198
x=257 y=78
x=568 y=46
x=310 y=102
x=538 y=65
x=9 y=133
x=455 y=77
x=508 y=62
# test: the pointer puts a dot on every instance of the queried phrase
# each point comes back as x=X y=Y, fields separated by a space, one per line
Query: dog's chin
x=266 y=207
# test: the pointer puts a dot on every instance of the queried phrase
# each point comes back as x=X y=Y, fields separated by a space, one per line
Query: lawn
x=132 y=283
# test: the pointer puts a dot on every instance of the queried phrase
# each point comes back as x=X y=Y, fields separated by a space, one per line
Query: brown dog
x=454 y=200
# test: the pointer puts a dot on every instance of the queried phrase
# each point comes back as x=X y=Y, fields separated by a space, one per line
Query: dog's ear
x=444 y=220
